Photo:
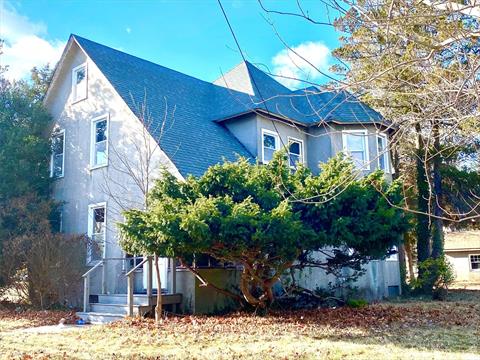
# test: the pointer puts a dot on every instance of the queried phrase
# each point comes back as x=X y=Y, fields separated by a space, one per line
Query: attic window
x=79 y=83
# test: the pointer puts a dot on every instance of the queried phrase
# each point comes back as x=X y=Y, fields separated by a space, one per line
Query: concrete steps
x=99 y=318
x=114 y=307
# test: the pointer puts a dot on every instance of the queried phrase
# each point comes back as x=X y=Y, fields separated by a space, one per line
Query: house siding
x=81 y=186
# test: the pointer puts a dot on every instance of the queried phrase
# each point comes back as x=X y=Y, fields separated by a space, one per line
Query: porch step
x=119 y=309
x=99 y=318
x=114 y=307
x=139 y=299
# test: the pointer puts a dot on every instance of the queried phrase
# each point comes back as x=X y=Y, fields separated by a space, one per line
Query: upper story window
x=295 y=152
x=270 y=144
x=382 y=153
x=475 y=262
x=99 y=150
x=355 y=144
x=57 y=161
x=96 y=232
x=79 y=83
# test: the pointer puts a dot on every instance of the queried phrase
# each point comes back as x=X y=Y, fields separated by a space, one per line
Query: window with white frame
x=295 y=152
x=99 y=150
x=270 y=144
x=475 y=262
x=96 y=232
x=355 y=145
x=382 y=153
x=79 y=83
x=57 y=160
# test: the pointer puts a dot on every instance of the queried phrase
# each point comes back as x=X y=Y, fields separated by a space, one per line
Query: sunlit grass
x=409 y=330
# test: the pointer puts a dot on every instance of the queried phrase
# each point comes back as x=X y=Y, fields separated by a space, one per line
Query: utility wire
x=263 y=101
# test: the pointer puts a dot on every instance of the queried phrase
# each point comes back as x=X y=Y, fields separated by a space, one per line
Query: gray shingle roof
x=192 y=137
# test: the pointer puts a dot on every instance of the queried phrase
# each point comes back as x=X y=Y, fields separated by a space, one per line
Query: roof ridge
x=145 y=60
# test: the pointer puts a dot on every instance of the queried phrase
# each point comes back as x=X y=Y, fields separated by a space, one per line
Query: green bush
x=357 y=303
x=436 y=276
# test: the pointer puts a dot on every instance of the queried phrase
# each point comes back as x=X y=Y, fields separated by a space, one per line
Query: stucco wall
x=81 y=186
x=461 y=265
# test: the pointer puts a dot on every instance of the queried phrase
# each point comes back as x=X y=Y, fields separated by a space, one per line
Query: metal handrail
x=145 y=259
x=94 y=267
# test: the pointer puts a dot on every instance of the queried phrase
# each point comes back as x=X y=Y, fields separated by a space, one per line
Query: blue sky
x=187 y=35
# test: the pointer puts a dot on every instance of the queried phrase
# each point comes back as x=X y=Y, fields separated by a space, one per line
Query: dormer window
x=295 y=152
x=270 y=144
x=355 y=145
x=99 y=147
x=79 y=83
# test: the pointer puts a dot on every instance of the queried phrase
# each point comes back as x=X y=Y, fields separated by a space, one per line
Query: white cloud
x=296 y=63
x=128 y=30
x=25 y=45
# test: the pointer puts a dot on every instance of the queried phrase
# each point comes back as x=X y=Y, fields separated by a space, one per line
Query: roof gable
x=181 y=107
x=188 y=111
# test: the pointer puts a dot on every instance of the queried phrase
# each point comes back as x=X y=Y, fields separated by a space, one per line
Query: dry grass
x=402 y=330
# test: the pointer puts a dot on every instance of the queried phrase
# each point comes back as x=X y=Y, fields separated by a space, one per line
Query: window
x=295 y=152
x=57 y=160
x=79 y=83
x=99 y=151
x=475 y=262
x=96 y=232
x=382 y=153
x=355 y=144
x=270 y=144
x=56 y=221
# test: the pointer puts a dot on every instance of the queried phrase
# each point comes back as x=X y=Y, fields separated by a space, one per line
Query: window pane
x=57 y=144
x=475 y=262
x=356 y=142
x=294 y=148
x=80 y=75
x=358 y=157
x=101 y=130
x=96 y=247
x=382 y=155
x=57 y=169
x=269 y=141
x=101 y=153
x=294 y=159
x=97 y=233
x=268 y=154
x=80 y=81
x=98 y=221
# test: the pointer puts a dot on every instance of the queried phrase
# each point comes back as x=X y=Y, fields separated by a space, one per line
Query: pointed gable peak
x=248 y=78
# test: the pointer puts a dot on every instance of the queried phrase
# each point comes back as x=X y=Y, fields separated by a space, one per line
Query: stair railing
x=130 y=278
x=86 y=284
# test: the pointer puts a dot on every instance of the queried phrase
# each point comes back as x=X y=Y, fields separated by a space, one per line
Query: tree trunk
x=437 y=236
x=403 y=266
x=410 y=257
x=158 y=307
x=423 y=220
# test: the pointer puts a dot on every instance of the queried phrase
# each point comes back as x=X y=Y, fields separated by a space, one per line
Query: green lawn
x=395 y=330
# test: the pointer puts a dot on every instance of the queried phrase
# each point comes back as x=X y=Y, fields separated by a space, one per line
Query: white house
x=111 y=109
